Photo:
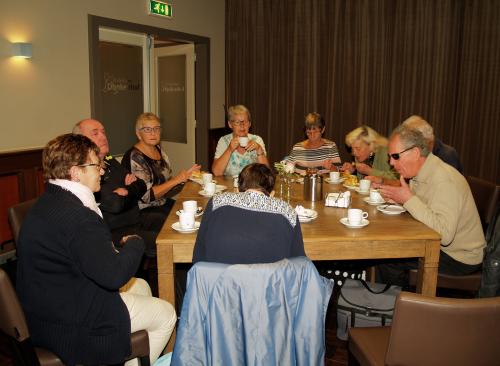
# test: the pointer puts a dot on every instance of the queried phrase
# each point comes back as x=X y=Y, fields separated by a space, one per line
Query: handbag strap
x=387 y=287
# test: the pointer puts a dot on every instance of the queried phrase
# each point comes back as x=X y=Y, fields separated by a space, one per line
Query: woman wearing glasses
x=239 y=148
x=315 y=152
x=69 y=273
x=370 y=154
x=150 y=163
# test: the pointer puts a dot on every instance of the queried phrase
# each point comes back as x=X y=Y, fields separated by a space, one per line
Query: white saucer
x=373 y=203
x=205 y=194
x=329 y=181
x=177 y=227
x=345 y=221
x=391 y=209
x=198 y=213
x=220 y=188
x=309 y=215
x=361 y=192
x=350 y=187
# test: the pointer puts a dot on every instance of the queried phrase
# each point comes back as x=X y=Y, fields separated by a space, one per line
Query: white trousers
x=154 y=315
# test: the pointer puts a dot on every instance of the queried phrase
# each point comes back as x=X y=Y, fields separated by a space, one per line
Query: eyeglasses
x=396 y=156
x=240 y=123
x=98 y=166
x=156 y=129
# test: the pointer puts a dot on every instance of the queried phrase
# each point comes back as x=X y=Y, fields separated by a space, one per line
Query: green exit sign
x=160 y=8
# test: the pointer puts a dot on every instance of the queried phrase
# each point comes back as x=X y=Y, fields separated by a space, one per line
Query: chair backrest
x=12 y=320
x=264 y=314
x=441 y=331
x=486 y=196
x=16 y=214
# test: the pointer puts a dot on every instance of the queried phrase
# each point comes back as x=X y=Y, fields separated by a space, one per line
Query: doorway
x=201 y=99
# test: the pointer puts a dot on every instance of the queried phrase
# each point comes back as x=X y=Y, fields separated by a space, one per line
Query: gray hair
x=418 y=123
x=412 y=137
x=76 y=128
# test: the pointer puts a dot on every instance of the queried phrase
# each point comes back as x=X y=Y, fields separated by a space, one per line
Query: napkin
x=338 y=199
x=301 y=211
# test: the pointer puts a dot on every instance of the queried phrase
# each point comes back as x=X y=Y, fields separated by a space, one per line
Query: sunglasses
x=396 y=156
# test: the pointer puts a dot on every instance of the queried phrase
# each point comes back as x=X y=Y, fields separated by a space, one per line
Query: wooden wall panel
x=21 y=179
x=9 y=186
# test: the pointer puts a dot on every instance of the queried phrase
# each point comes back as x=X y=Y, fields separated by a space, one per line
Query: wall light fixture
x=23 y=50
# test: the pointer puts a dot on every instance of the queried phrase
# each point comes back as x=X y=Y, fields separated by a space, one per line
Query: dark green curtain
x=374 y=62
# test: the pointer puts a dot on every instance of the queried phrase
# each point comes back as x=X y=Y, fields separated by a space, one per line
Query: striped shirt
x=313 y=158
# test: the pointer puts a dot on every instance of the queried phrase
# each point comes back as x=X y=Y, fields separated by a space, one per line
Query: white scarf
x=81 y=191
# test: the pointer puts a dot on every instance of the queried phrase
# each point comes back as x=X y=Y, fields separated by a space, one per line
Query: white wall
x=44 y=97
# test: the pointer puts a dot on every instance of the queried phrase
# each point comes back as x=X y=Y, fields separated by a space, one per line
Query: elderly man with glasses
x=438 y=196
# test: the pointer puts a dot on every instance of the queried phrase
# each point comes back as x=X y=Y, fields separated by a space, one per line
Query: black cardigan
x=68 y=279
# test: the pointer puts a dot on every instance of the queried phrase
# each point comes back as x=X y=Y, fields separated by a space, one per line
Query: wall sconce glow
x=22 y=50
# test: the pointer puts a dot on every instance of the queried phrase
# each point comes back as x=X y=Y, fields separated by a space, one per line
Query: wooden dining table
x=325 y=238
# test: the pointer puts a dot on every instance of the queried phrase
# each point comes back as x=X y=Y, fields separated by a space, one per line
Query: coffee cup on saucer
x=243 y=141
x=210 y=188
x=206 y=177
x=364 y=185
x=190 y=206
x=186 y=220
x=375 y=196
x=355 y=216
x=334 y=176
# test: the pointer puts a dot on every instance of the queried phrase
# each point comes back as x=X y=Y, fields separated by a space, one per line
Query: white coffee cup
x=334 y=176
x=190 y=206
x=355 y=216
x=364 y=185
x=243 y=141
x=210 y=188
x=186 y=220
x=206 y=177
x=375 y=196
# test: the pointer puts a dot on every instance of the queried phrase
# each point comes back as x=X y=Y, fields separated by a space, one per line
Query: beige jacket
x=443 y=201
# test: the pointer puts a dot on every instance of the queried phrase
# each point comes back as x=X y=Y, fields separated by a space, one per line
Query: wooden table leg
x=166 y=278
x=428 y=269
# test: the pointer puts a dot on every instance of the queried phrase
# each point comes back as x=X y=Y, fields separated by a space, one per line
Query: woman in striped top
x=315 y=152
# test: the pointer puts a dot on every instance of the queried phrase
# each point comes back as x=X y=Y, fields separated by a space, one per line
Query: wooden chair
x=432 y=331
x=16 y=215
x=486 y=196
x=13 y=324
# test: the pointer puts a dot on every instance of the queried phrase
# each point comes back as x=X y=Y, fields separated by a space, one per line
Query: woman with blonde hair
x=147 y=161
x=369 y=149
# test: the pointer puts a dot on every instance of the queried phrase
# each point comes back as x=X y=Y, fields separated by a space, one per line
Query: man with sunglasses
x=438 y=196
x=445 y=152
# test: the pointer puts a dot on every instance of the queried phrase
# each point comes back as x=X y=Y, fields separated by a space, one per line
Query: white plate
x=177 y=227
x=391 y=209
x=299 y=180
x=309 y=215
x=349 y=187
x=345 y=221
x=198 y=213
x=373 y=203
x=361 y=192
x=329 y=181
x=196 y=180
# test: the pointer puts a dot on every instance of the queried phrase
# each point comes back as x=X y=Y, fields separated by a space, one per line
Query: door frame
x=202 y=73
